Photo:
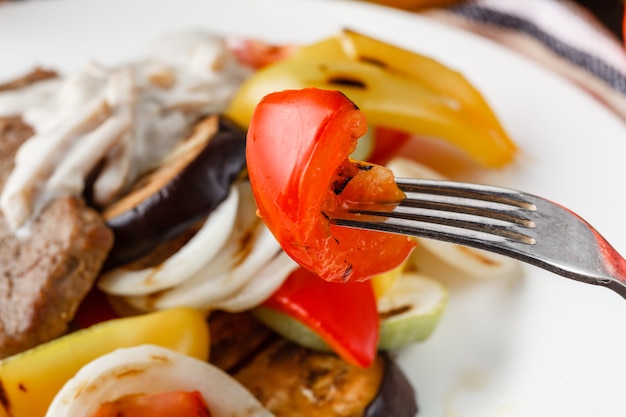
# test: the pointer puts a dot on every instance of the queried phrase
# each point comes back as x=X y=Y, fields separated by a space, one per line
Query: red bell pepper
x=344 y=315
x=161 y=404
x=624 y=26
x=297 y=152
x=94 y=309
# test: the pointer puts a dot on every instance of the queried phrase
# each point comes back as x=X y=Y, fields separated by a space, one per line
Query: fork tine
x=496 y=211
x=484 y=203
x=422 y=220
x=443 y=210
x=467 y=190
x=478 y=237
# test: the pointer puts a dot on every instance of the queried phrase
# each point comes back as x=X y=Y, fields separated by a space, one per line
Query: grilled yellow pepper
x=30 y=380
x=394 y=87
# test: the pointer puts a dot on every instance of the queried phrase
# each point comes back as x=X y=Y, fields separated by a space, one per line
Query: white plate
x=542 y=346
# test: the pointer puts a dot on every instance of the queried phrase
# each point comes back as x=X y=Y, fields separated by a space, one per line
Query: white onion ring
x=249 y=247
x=264 y=284
x=191 y=258
x=150 y=369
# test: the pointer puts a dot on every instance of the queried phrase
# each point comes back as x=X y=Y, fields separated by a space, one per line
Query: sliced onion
x=151 y=369
x=191 y=258
x=473 y=262
x=249 y=247
x=207 y=288
x=264 y=284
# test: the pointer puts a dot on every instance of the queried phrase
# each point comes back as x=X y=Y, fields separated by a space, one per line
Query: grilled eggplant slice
x=395 y=396
x=193 y=181
x=291 y=380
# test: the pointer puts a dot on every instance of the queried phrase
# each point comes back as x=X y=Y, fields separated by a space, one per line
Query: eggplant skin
x=395 y=397
x=190 y=195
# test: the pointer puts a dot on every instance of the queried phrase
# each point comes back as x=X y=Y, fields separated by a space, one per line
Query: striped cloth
x=559 y=34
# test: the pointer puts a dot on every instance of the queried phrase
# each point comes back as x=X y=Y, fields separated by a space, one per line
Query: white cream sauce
x=126 y=118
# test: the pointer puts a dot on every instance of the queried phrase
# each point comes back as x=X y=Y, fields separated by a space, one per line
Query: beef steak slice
x=44 y=277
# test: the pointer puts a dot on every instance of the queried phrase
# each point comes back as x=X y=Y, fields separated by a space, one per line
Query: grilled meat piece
x=44 y=277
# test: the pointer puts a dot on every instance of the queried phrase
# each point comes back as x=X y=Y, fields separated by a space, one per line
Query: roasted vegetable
x=209 y=273
x=393 y=87
x=342 y=314
x=176 y=260
x=193 y=181
x=316 y=131
x=162 y=404
x=291 y=380
x=30 y=380
x=395 y=396
x=408 y=313
x=148 y=369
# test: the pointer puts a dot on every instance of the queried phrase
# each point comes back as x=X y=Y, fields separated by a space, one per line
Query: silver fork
x=509 y=222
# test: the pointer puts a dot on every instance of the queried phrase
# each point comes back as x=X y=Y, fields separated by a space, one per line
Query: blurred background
x=609 y=12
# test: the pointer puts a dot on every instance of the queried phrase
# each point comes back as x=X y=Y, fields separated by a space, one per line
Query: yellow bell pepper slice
x=387 y=99
x=30 y=380
x=436 y=76
x=382 y=283
x=354 y=46
x=393 y=87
